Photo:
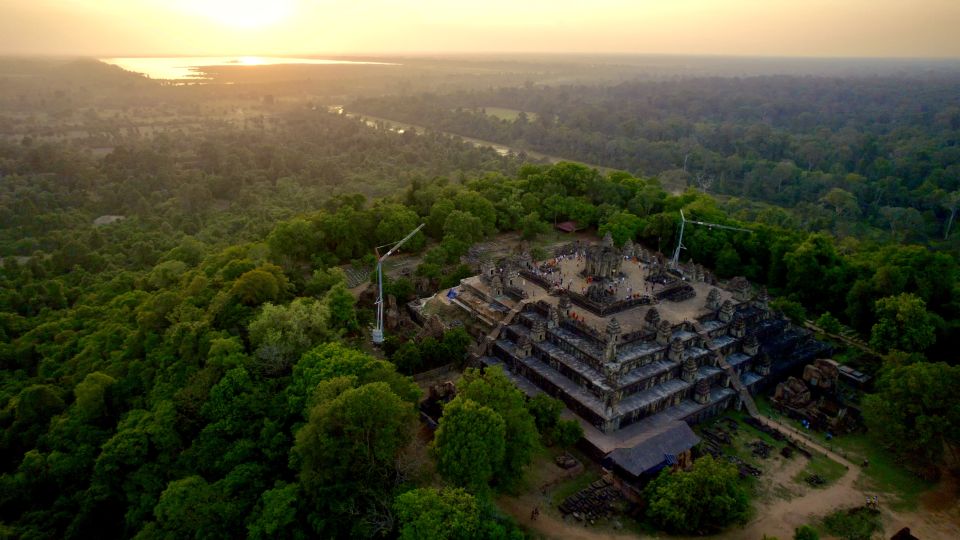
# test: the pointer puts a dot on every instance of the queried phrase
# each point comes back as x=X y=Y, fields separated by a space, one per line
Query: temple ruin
x=631 y=346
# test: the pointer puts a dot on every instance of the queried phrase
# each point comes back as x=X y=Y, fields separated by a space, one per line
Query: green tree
x=437 y=513
x=296 y=240
x=331 y=360
x=532 y=226
x=622 y=226
x=546 y=412
x=455 y=344
x=568 y=432
x=339 y=303
x=914 y=412
x=792 y=310
x=438 y=217
x=187 y=509
x=258 y=286
x=36 y=404
x=842 y=202
x=476 y=205
x=903 y=323
x=728 y=262
x=805 y=532
x=347 y=455
x=829 y=323
x=280 y=334
x=91 y=394
x=702 y=500
x=492 y=388
x=463 y=227
x=276 y=514
x=394 y=222
x=407 y=358
x=470 y=444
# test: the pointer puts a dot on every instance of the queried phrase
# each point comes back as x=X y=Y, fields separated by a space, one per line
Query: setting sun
x=242 y=14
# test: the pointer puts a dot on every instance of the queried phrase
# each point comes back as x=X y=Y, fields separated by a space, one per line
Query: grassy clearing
x=509 y=115
x=740 y=447
x=884 y=474
x=565 y=489
x=826 y=468
x=853 y=524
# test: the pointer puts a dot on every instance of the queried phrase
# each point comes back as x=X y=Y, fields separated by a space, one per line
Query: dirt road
x=780 y=517
x=782 y=506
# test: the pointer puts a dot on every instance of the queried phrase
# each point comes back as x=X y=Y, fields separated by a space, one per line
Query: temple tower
x=629 y=249
x=664 y=331
x=496 y=286
x=603 y=261
x=741 y=289
x=564 y=305
x=763 y=368
x=513 y=277
x=523 y=347
x=726 y=311
x=713 y=300
x=613 y=339
x=750 y=345
x=553 y=317
x=652 y=319
x=689 y=369
x=486 y=271
x=675 y=353
x=539 y=331
x=738 y=329
x=702 y=392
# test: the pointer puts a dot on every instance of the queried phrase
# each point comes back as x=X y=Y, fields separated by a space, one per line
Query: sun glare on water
x=242 y=14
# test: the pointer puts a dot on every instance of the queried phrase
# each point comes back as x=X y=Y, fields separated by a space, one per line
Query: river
x=503 y=150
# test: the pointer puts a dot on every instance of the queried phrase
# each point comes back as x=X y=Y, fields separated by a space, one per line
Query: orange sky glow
x=846 y=28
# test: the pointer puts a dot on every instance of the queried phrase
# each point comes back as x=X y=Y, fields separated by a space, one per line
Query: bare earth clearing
x=782 y=504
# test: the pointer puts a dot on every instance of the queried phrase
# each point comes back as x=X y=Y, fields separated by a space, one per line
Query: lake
x=191 y=67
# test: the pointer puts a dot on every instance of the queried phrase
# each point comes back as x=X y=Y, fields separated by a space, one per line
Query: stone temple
x=637 y=351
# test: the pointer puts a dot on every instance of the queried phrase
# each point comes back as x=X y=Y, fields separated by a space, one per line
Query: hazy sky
x=897 y=28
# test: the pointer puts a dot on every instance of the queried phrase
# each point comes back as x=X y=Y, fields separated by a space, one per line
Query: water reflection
x=189 y=67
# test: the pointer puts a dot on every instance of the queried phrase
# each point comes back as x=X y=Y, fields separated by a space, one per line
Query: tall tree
x=347 y=453
x=700 y=501
x=903 y=323
x=915 y=413
x=470 y=444
x=492 y=388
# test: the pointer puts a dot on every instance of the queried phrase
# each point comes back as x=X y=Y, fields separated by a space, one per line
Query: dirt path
x=543 y=478
x=780 y=517
x=783 y=505
x=801 y=438
x=549 y=524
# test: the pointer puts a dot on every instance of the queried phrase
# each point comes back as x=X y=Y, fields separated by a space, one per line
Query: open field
x=509 y=115
x=883 y=474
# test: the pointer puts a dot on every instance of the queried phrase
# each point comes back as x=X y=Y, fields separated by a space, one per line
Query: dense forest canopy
x=199 y=368
x=855 y=155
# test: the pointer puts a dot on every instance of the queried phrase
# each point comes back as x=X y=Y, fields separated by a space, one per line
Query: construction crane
x=378 y=329
x=675 y=262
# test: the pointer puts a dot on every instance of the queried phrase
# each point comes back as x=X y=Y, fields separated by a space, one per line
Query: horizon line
x=454 y=54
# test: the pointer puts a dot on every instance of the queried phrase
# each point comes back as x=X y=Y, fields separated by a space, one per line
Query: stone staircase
x=846 y=335
x=745 y=398
x=356 y=276
x=481 y=346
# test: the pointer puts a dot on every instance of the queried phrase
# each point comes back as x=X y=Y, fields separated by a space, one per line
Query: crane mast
x=378 y=329
x=675 y=261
